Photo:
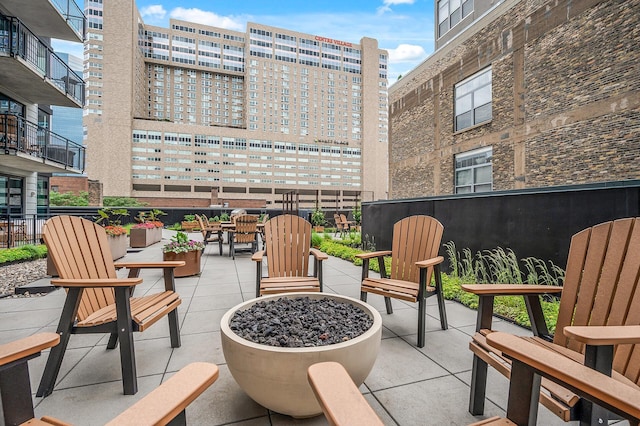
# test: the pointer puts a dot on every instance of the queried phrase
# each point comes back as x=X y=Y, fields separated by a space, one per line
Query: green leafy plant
x=180 y=243
x=111 y=220
x=152 y=216
x=189 y=217
x=224 y=217
x=357 y=213
x=317 y=216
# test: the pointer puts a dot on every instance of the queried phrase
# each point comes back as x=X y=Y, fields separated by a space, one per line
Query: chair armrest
x=510 y=289
x=373 y=254
x=97 y=282
x=430 y=262
x=604 y=335
x=168 y=400
x=318 y=254
x=593 y=385
x=147 y=265
x=257 y=256
x=340 y=399
x=26 y=347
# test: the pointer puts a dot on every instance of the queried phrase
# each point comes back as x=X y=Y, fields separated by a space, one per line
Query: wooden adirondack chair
x=414 y=256
x=287 y=246
x=599 y=307
x=210 y=233
x=244 y=232
x=163 y=405
x=97 y=300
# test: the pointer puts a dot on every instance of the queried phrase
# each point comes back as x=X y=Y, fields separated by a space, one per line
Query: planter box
x=144 y=237
x=192 y=267
x=117 y=244
x=189 y=226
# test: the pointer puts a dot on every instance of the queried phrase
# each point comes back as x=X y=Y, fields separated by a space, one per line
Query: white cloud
x=386 y=5
x=407 y=53
x=154 y=11
x=207 y=18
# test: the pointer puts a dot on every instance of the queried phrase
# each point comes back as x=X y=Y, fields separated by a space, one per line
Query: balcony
x=61 y=19
x=27 y=146
x=30 y=68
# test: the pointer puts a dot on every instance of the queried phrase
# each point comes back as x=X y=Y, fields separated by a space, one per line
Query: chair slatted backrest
x=601 y=286
x=246 y=226
x=415 y=238
x=80 y=250
x=287 y=244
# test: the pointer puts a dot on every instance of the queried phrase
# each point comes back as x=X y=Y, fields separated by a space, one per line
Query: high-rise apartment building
x=32 y=78
x=193 y=110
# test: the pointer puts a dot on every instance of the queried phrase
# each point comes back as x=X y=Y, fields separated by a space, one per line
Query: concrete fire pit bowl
x=276 y=377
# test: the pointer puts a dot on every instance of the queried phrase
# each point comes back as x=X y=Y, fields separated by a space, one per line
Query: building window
x=451 y=12
x=473 y=100
x=474 y=171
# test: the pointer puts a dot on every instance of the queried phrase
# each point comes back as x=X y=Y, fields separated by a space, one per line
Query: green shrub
x=122 y=202
x=68 y=199
x=28 y=252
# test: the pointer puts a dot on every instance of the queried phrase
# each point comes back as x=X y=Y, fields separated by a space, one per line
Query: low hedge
x=23 y=253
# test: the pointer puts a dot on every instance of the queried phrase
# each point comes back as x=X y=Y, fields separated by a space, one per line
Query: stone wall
x=565 y=98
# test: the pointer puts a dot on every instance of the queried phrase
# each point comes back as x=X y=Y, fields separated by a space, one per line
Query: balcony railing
x=20 y=135
x=17 y=40
x=73 y=14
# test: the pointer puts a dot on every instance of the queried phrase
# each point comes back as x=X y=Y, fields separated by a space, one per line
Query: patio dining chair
x=97 y=301
x=245 y=231
x=211 y=232
x=287 y=249
x=164 y=405
x=414 y=259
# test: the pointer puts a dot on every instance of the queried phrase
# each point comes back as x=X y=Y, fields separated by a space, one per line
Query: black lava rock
x=300 y=322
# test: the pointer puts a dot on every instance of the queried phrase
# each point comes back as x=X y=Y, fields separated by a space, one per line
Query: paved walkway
x=407 y=386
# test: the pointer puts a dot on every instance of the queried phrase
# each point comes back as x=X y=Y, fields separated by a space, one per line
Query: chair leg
x=125 y=335
x=363 y=296
x=478 y=386
x=444 y=324
x=113 y=341
x=65 y=328
x=15 y=393
x=422 y=321
x=174 y=331
x=387 y=304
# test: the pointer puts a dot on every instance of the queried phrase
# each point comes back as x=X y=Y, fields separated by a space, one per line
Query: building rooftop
x=407 y=386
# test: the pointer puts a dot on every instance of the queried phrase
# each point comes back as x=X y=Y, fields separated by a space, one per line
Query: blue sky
x=403 y=27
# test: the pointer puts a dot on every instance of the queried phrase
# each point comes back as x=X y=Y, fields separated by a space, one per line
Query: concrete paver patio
x=407 y=386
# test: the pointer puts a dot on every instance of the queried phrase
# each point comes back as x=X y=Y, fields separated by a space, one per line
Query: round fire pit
x=276 y=377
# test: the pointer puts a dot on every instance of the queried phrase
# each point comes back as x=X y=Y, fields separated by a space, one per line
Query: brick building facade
x=564 y=107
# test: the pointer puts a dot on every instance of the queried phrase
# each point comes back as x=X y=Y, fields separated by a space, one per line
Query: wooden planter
x=117 y=244
x=192 y=259
x=189 y=226
x=143 y=237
